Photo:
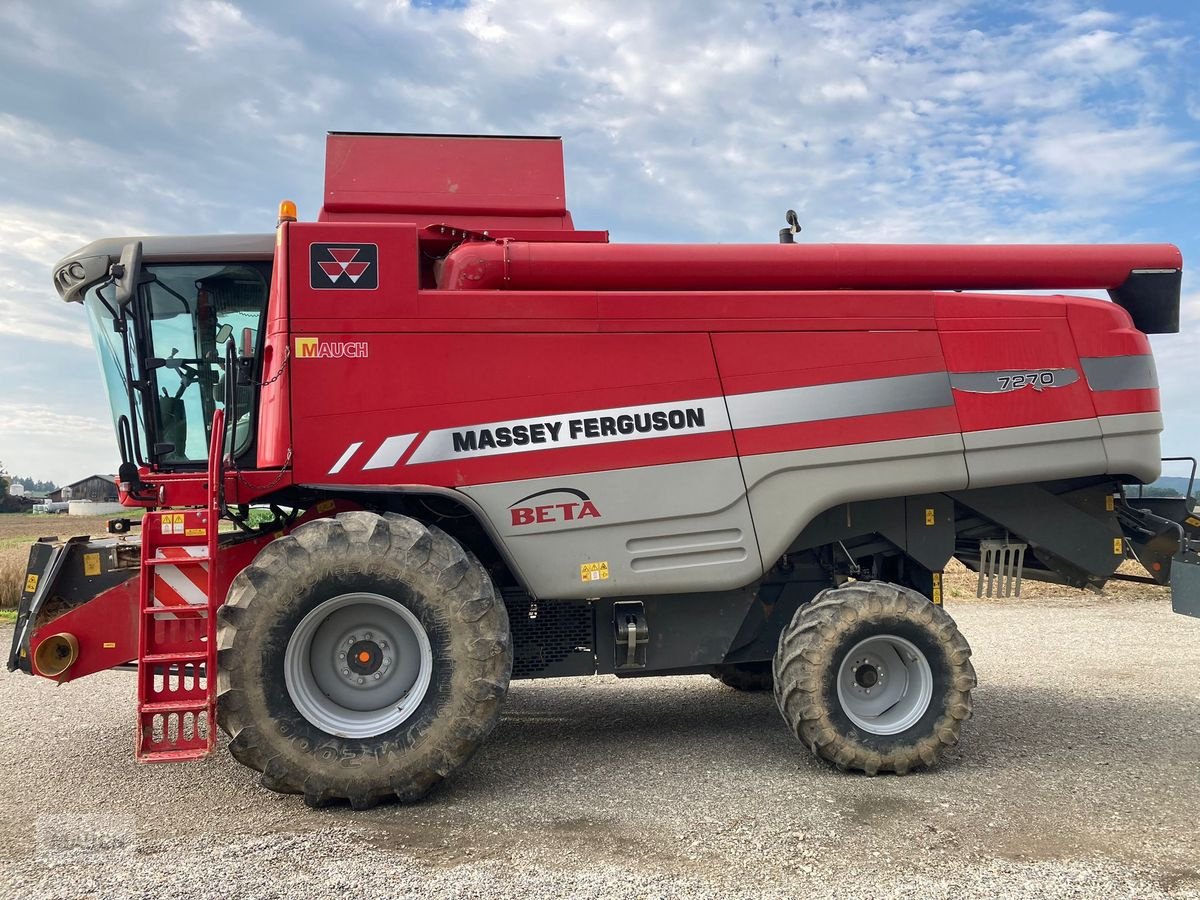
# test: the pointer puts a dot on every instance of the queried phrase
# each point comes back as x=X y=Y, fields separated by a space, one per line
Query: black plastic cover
x=1152 y=300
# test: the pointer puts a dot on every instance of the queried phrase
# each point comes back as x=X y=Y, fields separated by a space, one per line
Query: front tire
x=874 y=677
x=360 y=658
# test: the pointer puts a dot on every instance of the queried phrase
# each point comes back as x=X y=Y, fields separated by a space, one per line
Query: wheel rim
x=358 y=665
x=884 y=684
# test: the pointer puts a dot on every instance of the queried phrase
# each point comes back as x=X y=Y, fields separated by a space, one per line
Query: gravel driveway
x=1078 y=777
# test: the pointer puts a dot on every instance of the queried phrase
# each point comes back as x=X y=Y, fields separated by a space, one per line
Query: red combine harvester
x=440 y=438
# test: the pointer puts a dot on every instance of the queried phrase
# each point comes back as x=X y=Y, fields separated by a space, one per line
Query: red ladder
x=177 y=640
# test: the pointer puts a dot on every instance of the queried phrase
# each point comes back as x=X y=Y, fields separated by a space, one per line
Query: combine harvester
x=494 y=446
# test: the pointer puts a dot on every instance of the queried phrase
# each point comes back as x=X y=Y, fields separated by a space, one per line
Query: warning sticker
x=31 y=584
x=196 y=532
x=91 y=564
x=1193 y=521
x=593 y=571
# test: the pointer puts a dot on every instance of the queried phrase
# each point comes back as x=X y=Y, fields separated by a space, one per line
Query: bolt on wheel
x=358 y=665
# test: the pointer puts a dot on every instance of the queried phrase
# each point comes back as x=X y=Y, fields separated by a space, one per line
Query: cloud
x=683 y=119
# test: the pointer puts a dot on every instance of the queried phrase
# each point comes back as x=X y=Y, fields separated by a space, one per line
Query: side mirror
x=127 y=273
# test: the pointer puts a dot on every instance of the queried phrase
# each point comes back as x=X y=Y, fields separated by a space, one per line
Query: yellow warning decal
x=1109 y=503
x=593 y=571
x=196 y=532
x=110 y=645
x=1193 y=521
x=1118 y=546
x=929 y=516
x=91 y=564
x=31 y=584
x=937 y=589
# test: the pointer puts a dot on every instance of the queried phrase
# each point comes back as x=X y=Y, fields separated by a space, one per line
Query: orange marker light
x=287 y=211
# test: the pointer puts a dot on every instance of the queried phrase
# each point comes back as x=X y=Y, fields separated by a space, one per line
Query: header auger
x=440 y=438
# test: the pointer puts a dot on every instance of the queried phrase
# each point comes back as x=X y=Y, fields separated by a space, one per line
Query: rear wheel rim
x=358 y=665
x=884 y=684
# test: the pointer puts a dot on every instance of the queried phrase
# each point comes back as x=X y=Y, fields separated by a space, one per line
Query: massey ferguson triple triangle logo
x=348 y=267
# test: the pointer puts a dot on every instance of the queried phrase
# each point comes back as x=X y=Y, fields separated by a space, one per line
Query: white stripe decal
x=601 y=426
x=389 y=452
x=785 y=406
x=345 y=457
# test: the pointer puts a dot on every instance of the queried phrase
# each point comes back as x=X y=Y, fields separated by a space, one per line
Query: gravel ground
x=1078 y=777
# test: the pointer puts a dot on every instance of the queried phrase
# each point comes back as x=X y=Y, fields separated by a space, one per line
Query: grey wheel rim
x=884 y=684
x=358 y=665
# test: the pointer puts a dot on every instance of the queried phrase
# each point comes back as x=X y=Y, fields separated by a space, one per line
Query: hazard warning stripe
x=181 y=587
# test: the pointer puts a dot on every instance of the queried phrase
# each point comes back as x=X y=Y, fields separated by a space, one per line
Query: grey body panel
x=1029 y=453
x=660 y=529
x=1132 y=445
x=700 y=527
x=788 y=490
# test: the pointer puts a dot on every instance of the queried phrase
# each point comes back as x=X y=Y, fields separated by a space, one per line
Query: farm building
x=97 y=488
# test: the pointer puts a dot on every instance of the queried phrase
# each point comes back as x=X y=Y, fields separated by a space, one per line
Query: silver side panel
x=655 y=529
x=789 y=489
x=1132 y=444
x=1029 y=453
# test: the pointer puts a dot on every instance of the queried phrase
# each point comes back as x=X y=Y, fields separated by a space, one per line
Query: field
x=19 y=530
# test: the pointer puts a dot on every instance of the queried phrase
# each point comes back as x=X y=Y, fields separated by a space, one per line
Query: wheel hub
x=884 y=684
x=358 y=665
x=866 y=676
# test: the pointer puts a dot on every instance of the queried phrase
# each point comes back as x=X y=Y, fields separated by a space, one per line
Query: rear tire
x=750 y=677
x=429 y=660
x=869 y=637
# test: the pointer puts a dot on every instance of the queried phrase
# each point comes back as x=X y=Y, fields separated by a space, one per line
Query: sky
x=683 y=120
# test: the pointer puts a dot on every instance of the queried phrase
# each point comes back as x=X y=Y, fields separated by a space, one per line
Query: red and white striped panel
x=178 y=588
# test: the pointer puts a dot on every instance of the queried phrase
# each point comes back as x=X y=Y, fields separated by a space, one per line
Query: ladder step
x=180 y=561
x=158 y=756
x=169 y=706
x=175 y=657
x=201 y=610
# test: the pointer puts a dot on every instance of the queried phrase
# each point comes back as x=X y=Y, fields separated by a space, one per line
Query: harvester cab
x=440 y=438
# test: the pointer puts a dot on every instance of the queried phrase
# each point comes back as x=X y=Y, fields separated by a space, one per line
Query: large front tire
x=363 y=657
x=874 y=677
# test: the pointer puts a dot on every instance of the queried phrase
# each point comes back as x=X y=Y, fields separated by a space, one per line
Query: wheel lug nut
x=386 y=661
x=367 y=636
x=341 y=656
x=345 y=671
x=376 y=676
x=351 y=639
x=362 y=681
x=383 y=644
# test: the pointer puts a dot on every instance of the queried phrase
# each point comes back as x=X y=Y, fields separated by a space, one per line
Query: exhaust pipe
x=56 y=654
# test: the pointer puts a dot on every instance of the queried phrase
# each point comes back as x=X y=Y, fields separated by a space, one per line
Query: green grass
x=8 y=616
